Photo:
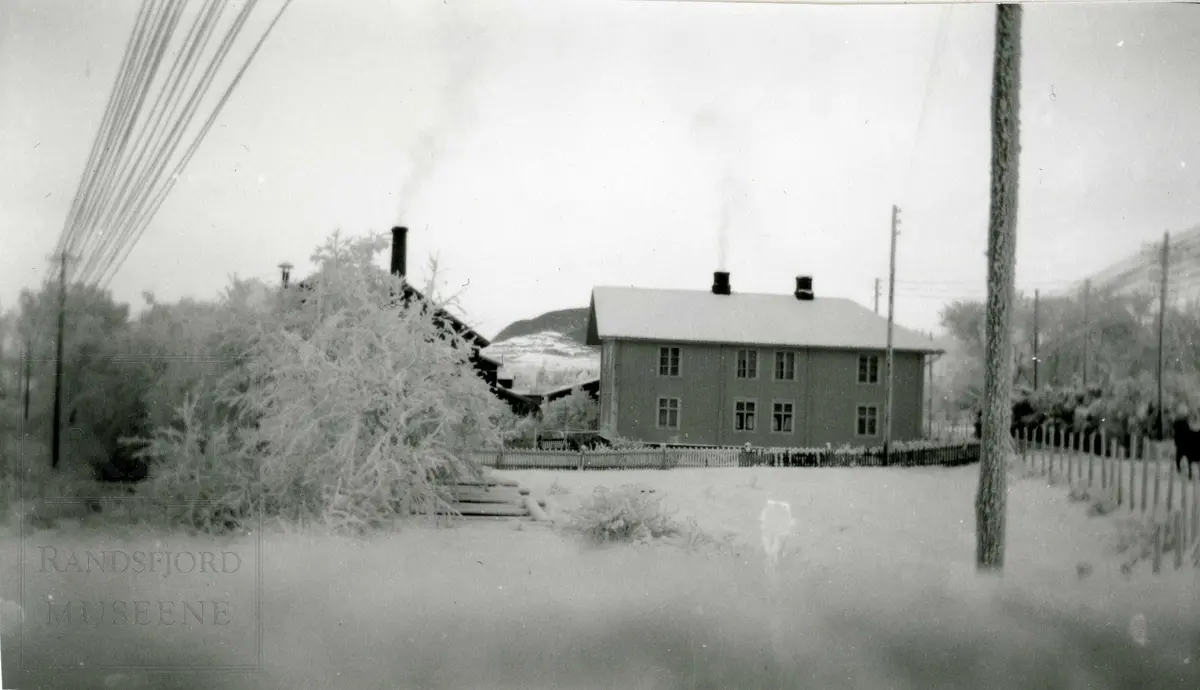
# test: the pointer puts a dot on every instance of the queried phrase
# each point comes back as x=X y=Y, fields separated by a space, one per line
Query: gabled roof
x=742 y=318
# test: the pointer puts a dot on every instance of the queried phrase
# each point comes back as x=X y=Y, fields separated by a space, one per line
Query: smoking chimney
x=399 y=250
x=804 y=288
x=720 y=284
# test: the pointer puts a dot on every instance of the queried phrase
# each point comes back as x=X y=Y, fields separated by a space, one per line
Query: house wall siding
x=824 y=394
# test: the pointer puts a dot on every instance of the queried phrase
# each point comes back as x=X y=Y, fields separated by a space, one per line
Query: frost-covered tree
x=575 y=412
x=353 y=402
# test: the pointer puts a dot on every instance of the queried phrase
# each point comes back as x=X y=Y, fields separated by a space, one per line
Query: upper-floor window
x=785 y=366
x=747 y=364
x=668 y=361
x=868 y=368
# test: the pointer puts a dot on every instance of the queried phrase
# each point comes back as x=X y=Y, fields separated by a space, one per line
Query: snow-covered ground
x=875 y=590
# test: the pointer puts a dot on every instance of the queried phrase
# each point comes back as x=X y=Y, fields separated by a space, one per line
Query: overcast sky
x=541 y=148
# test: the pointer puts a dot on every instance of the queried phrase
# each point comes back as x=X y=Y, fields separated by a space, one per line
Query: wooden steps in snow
x=491 y=497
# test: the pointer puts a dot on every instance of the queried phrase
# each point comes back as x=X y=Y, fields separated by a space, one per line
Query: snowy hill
x=571 y=323
x=543 y=361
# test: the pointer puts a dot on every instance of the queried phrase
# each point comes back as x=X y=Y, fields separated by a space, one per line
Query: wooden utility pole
x=887 y=409
x=56 y=432
x=1162 y=319
x=877 y=281
x=929 y=394
x=996 y=445
x=1037 y=298
x=28 y=373
x=1087 y=330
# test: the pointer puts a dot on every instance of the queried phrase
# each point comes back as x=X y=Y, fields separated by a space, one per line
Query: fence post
x=1104 y=447
x=665 y=460
x=580 y=459
x=1184 y=513
x=500 y=459
x=1119 y=468
x=1157 y=475
x=1091 y=459
x=1057 y=451
x=1145 y=472
x=1158 y=545
x=1130 y=455
x=1178 y=540
x=1195 y=504
x=1170 y=484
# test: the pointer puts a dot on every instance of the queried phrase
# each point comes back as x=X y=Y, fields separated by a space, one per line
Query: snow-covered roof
x=742 y=318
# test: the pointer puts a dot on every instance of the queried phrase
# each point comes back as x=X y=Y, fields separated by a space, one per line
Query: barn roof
x=742 y=318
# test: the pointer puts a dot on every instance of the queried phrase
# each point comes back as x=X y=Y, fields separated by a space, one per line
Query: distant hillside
x=544 y=361
x=571 y=323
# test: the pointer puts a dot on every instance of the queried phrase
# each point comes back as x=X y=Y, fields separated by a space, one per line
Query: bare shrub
x=626 y=514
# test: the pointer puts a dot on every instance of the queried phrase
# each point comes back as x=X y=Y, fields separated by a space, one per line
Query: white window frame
x=753 y=415
x=775 y=365
x=865 y=406
x=791 y=414
x=737 y=364
x=858 y=369
x=658 y=410
x=678 y=361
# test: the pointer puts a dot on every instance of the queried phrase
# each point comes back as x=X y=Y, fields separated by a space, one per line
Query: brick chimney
x=399 y=251
x=720 y=284
x=804 y=288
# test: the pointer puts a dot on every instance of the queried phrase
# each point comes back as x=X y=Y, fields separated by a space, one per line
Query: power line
x=109 y=244
x=138 y=225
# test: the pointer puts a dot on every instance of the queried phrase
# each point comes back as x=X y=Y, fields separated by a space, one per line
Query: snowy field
x=875 y=591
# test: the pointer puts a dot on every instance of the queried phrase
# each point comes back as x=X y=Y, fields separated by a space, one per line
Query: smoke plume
x=714 y=133
x=465 y=51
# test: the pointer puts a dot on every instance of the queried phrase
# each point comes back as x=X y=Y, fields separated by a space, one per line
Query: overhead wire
x=150 y=42
x=131 y=156
x=139 y=225
x=101 y=244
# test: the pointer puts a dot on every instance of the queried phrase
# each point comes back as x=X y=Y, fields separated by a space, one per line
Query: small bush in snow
x=627 y=514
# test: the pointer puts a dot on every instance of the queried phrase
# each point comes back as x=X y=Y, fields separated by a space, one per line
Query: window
x=668 y=413
x=743 y=415
x=782 y=415
x=867 y=422
x=785 y=366
x=747 y=364
x=668 y=361
x=868 y=368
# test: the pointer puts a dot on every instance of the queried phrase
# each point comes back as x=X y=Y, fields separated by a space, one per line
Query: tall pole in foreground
x=887 y=410
x=1162 y=319
x=28 y=373
x=56 y=432
x=990 y=501
x=1037 y=322
x=929 y=394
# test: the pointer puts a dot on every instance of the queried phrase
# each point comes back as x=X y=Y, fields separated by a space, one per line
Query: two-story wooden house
x=722 y=368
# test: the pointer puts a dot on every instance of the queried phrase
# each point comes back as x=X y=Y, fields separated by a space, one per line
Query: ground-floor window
x=744 y=412
x=668 y=413
x=867 y=420
x=782 y=415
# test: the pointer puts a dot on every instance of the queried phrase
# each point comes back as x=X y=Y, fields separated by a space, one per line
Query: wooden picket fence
x=950 y=455
x=1141 y=480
